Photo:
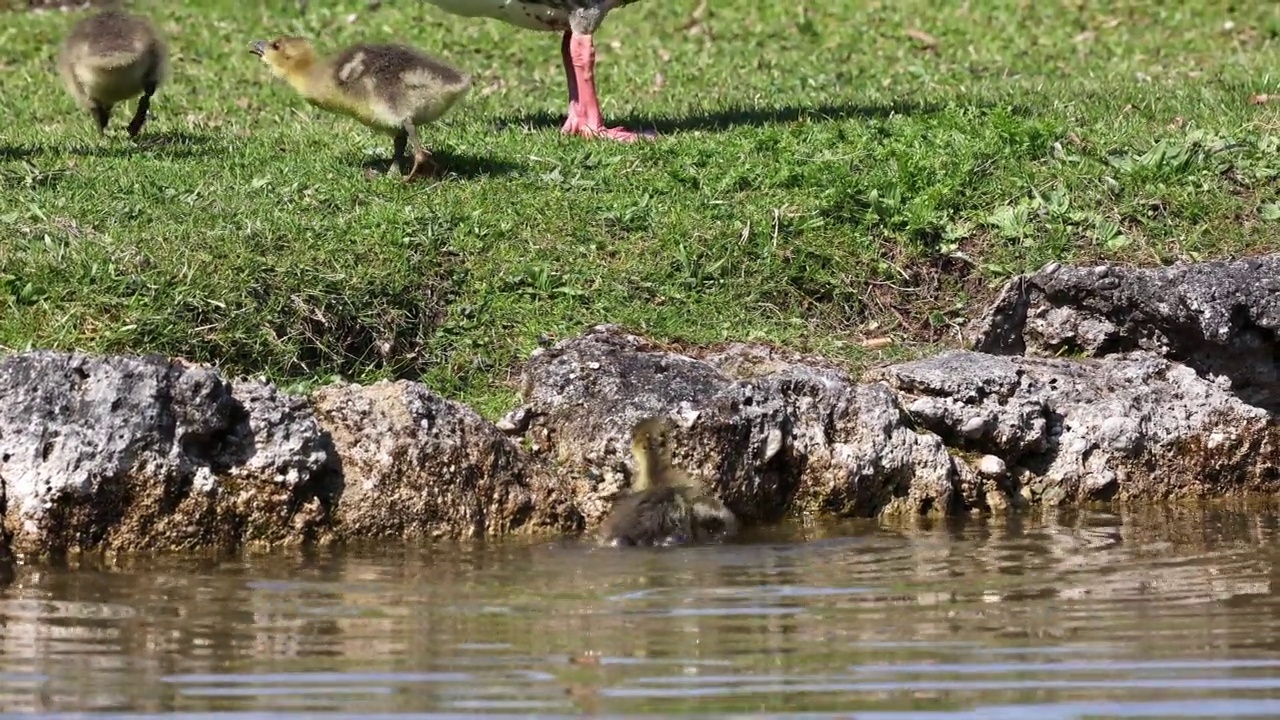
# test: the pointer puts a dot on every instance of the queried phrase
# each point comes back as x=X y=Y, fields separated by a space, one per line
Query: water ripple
x=1106 y=615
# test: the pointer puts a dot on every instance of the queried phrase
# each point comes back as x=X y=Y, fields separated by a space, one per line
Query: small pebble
x=1119 y=433
x=924 y=407
x=974 y=427
x=514 y=421
x=991 y=466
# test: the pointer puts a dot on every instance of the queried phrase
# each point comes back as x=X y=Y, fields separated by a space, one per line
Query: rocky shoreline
x=1082 y=384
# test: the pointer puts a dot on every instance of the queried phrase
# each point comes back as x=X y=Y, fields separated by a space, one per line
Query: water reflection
x=1163 y=613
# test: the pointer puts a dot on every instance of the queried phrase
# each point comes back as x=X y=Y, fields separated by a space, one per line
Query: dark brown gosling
x=392 y=89
x=111 y=57
x=664 y=506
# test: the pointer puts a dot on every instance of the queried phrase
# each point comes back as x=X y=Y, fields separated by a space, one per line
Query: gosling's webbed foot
x=423 y=164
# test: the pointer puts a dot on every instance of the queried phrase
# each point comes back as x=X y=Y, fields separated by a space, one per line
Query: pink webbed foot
x=575 y=125
x=584 y=116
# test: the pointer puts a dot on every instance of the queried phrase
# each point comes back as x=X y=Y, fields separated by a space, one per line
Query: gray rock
x=1220 y=318
x=779 y=438
x=951 y=395
x=415 y=465
x=991 y=466
x=144 y=453
x=1133 y=426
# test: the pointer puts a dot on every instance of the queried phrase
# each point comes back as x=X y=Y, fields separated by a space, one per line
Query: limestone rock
x=143 y=453
x=1131 y=427
x=1220 y=318
x=790 y=438
x=416 y=465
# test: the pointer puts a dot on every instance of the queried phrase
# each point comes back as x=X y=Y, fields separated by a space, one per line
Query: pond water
x=1163 y=613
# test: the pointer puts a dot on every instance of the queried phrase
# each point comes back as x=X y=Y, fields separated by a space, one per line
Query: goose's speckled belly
x=526 y=15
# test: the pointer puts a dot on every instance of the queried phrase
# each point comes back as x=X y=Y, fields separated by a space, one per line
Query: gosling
x=111 y=57
x=392 y=89
x=665 y=506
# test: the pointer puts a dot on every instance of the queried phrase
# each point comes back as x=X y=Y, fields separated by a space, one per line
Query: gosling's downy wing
x=397 y=81
x=648 y=518
x=711 y=518
x=111 y=39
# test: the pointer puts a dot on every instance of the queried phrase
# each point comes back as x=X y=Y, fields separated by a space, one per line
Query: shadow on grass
x=16 y=152
x=175 y=145
x=732 y=117
x=450 y=164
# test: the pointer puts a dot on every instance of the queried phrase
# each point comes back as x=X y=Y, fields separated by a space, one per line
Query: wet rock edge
x=1083 y=384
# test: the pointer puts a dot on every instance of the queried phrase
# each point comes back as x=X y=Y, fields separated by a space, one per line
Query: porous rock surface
x=136 y=453
x=1219 y=318
x=1130 y=427
x=793 y=438
x=416 y=465
x=1175 y=397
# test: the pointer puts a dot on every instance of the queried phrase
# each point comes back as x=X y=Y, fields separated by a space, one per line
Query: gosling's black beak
x=257 y=47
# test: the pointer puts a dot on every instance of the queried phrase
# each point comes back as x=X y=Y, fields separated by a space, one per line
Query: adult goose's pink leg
x=572 y=122
x=584 y=107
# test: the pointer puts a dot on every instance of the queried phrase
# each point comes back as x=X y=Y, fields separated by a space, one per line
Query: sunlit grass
x=827 y=174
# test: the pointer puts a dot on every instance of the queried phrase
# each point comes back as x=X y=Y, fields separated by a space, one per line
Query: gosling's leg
x=140 y=117
x=397 y=153
x=101 y=114
x=421 y=158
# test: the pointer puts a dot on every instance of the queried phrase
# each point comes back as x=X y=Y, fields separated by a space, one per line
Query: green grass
x=823 y=178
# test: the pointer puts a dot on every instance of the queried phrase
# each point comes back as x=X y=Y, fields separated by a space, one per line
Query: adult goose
x=577 y=20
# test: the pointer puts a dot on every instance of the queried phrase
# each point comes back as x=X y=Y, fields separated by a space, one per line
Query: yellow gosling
x=392 y=88
x=665 y=506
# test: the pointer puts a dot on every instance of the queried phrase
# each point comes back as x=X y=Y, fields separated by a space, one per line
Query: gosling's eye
x=275 y=45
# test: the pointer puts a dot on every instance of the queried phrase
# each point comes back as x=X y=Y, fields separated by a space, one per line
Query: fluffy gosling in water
x=665 y=505
x=392 y=89
x=110 y=57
